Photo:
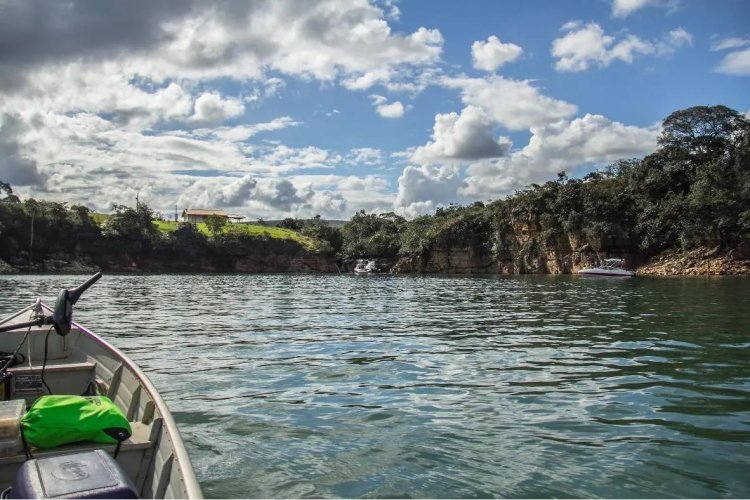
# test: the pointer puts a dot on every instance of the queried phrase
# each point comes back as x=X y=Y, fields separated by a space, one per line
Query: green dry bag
x=56 y=420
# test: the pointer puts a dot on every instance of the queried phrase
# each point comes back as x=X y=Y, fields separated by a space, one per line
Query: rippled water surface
x=403 y=386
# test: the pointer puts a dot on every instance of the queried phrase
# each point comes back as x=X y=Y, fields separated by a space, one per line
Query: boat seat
x=59 y=374
x=139 y=440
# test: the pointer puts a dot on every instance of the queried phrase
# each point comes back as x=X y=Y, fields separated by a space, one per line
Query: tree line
x=694 y=190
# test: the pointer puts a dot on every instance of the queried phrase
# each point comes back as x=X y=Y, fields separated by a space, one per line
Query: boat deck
x=80 y=364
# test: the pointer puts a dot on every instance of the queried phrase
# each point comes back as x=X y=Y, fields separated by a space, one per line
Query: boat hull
x=612 y=273
x=154 y=457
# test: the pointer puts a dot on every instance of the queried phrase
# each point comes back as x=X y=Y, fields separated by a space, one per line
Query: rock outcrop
x=6 y=268
x=701 y=261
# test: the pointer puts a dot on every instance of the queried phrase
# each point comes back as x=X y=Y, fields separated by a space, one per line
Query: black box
x=91 y=474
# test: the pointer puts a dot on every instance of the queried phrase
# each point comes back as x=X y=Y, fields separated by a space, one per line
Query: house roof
x=203 y=211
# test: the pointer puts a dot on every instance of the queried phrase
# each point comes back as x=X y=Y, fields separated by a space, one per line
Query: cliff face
x=523 y=250
x=519 y=249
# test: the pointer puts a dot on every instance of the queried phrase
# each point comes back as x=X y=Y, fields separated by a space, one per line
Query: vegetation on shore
x=692 y=192
x=33 y=232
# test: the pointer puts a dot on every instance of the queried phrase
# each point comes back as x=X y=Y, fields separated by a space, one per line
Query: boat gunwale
x=192 y=487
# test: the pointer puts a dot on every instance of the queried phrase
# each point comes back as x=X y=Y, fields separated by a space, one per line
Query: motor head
x=62 y=316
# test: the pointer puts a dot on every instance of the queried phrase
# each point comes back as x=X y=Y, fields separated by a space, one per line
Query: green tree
x=132 y=230
x=702 y=131
x=292 y=223
x=329 y=236
x=371 y=235
x=9 y=196
x=215 y=224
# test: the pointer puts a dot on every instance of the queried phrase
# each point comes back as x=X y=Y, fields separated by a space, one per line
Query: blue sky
x=282 y=108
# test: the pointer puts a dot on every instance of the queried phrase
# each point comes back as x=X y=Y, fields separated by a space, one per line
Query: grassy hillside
x=241 y=228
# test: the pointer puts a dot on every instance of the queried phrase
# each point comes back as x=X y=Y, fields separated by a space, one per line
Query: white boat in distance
x=72 y=360
x=365 y=267
x=608 y=267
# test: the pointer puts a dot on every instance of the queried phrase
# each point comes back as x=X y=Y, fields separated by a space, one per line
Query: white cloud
x=15 y=167
x=370 y=193
x=261 y=195
x=102 y=88
x=461 y=137
x=729 y=43
x=386 y=109
x=735 y=63
x=589 y=140
x=391 y=110
x=553 y=147
x=327 y=40
x=233 y=194
x=582 y=46
x=241 y=133
x=422 y=189
x=587 y=45
x=211 y=109
x=492 y=54
x=514 y=104
x=672 y=41
x=623 y=8
x=366 y=156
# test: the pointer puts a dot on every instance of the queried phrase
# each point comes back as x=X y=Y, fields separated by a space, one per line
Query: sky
x=271 y=109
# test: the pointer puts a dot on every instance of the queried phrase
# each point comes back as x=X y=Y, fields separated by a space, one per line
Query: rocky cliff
x=519 y=248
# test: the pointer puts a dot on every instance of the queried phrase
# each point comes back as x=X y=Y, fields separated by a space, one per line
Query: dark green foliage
x=292 y=223
x=216 y=224
x=329 y=238
x=34 y=229
x=697 y=186
x=128 y=235
x=8 y=196
x=132 y=230
x=694 y=190
x=469 y=226
x=187 y=243
x=371 y=235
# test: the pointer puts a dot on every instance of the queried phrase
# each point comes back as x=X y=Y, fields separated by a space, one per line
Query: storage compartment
x=91 y=474
x=11 y=413
x=10 y=447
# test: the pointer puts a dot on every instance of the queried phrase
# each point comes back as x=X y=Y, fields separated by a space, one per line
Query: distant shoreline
x=701 y=262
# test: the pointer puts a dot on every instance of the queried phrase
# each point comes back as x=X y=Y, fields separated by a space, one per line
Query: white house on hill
x=195 y=215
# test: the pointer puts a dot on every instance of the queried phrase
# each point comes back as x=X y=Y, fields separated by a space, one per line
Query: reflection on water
x=426 y=386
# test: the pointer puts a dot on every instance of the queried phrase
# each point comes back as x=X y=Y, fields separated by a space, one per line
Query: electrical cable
x=44 y=361
x=11 y=358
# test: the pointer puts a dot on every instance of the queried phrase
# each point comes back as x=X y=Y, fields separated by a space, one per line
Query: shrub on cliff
x=454 y=226
x=695 y=188
x=371 y=235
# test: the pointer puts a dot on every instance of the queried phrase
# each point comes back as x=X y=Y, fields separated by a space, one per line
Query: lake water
x=428 y=386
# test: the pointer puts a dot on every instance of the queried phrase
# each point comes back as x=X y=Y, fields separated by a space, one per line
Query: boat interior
x=81 y=363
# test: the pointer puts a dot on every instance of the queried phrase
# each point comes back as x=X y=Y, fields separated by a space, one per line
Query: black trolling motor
x=62 y=316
